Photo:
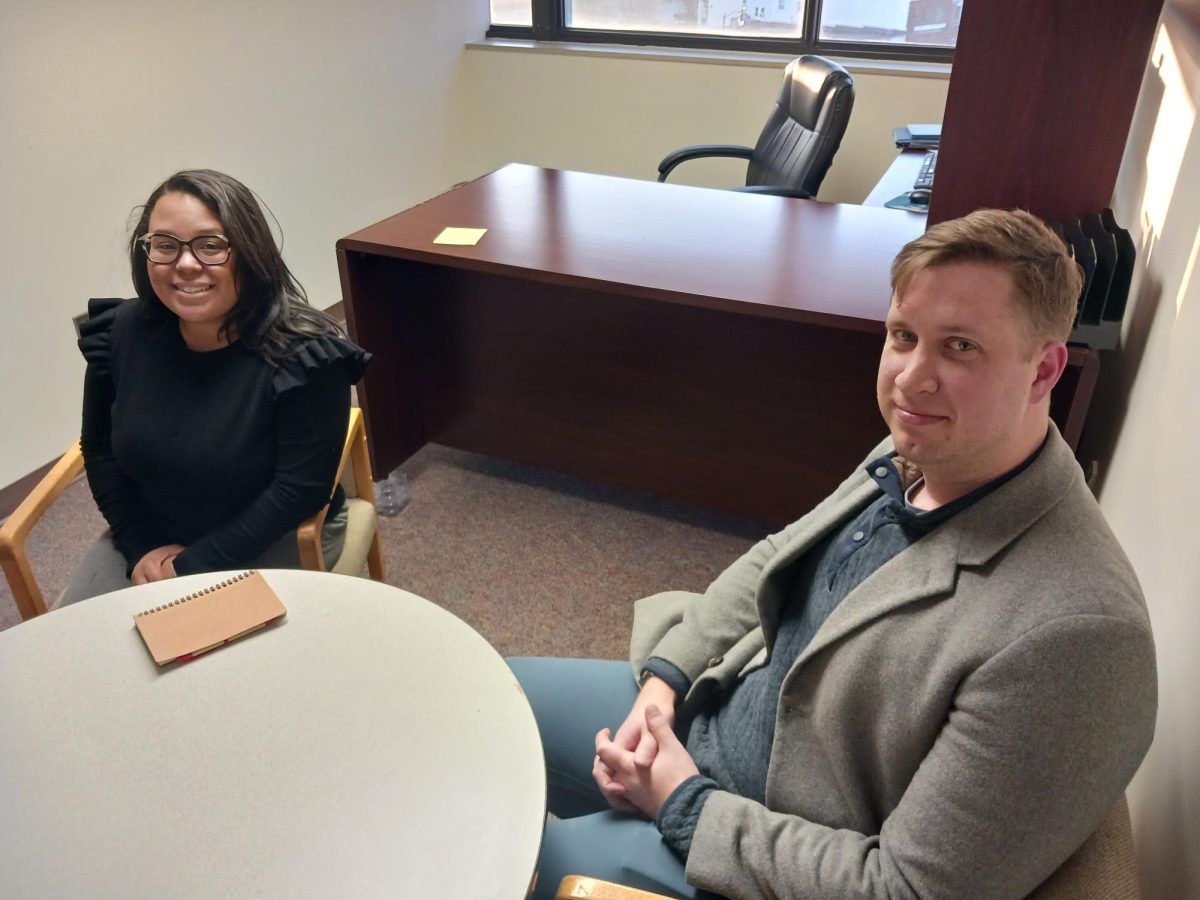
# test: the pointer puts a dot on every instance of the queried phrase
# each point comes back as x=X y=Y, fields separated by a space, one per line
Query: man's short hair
x=1048 y=282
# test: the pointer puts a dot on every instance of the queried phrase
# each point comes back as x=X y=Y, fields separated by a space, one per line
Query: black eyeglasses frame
x=144 y=240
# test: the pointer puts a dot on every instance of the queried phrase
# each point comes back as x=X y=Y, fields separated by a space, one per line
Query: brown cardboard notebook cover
x=189 y=626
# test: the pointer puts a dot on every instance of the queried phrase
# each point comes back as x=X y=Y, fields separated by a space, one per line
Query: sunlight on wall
x=1185 y=286
x=1172 y=130
x=1147 y=408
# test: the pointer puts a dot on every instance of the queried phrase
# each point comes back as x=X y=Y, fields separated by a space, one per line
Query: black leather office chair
x=797 y=144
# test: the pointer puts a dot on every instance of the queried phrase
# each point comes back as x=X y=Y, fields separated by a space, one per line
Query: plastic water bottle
x=391 y=494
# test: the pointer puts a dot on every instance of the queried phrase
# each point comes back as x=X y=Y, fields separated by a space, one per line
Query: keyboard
x=925 y=175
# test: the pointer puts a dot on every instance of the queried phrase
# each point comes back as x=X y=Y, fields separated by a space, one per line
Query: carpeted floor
x=539 y=563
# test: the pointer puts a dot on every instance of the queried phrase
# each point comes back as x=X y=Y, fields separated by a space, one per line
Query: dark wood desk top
x=773 y=257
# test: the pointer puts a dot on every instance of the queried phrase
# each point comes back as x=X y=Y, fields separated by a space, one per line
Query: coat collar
x=930 y=567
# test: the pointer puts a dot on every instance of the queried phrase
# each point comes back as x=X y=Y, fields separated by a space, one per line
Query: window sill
x=708 y=57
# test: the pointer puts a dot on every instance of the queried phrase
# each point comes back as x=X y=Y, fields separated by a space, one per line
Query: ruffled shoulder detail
x=314 y=354
x=95 y=333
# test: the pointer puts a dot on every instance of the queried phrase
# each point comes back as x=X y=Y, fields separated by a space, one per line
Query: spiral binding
x=192 y=596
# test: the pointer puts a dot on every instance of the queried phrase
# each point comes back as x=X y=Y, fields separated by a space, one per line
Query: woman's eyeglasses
x=208 y=249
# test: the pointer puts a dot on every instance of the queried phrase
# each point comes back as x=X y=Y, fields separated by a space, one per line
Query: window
x=894 y=29
x=512 y=12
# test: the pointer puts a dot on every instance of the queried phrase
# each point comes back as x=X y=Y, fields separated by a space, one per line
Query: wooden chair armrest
x=364 y=485
x=356 y=443
x=308 y=535
x=574 y=887
x=308 y=541
x=15 y=529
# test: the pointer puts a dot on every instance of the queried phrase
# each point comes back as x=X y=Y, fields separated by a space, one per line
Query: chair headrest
x=809 y=84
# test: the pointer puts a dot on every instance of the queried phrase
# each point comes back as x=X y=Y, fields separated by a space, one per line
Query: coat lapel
x=929 y=568
x=854 y=494
x=908 y=577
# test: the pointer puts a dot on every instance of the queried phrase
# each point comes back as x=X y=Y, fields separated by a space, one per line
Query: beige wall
x=337 y=114
x=1145 y=430
x=620 y=116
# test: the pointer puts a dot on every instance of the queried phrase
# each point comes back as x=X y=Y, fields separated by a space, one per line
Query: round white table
x=369 y=745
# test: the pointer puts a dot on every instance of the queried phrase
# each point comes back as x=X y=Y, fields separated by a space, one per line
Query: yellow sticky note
x=462 y=237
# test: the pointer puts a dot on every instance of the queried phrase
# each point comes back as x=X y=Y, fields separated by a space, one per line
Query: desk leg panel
x=379 y=315
x=751 y=415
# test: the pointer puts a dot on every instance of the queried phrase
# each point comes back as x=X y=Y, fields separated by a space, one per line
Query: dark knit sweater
x=218 y=451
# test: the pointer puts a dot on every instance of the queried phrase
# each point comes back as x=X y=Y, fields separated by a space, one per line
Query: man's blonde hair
x=1047 y=281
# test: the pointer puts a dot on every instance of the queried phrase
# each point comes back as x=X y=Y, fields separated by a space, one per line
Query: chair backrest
x=1104 y=868
x=805 y=128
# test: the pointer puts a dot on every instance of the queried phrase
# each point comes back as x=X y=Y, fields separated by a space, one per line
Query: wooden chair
x=361 y=549
x=1103 y=868
x=576 y=886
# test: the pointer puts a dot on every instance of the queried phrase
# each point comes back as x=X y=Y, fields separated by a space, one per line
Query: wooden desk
x=707 y=346
x=704 y=345
x=370 y=745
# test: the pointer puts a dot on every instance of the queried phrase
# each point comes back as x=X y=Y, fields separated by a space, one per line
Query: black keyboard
x=925 y=176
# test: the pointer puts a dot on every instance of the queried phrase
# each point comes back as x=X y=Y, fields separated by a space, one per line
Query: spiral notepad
x=202 y=621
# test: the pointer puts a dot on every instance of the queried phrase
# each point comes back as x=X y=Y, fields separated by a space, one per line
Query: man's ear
x=1051 y=363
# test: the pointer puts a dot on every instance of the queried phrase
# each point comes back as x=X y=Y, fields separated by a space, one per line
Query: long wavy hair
x=272 y=310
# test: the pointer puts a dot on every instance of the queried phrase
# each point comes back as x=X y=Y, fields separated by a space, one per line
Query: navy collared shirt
x=891 y=524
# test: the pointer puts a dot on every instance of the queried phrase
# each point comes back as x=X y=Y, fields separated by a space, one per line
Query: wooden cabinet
x=1040 y=103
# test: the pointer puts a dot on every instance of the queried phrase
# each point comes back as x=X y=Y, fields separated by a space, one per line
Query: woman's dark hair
x=272 y=310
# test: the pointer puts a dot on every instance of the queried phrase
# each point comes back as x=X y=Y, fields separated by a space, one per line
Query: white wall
x=1145 y=429
x=337 y=114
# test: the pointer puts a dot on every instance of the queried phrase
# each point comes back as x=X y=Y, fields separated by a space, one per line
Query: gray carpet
x=539 y=563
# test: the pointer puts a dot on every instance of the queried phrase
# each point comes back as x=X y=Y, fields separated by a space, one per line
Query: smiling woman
x=215 y=404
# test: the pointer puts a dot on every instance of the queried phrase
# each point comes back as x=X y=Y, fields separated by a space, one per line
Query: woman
x=215 y=404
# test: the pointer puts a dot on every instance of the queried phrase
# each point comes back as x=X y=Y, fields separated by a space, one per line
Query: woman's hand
x=157 y=565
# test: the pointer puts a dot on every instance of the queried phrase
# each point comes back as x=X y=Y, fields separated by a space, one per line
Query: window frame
x=549 y=25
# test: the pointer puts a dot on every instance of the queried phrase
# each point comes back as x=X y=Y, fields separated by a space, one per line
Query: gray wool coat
x=958 y=726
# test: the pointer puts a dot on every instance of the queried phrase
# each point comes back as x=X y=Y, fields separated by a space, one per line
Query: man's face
x=960 y=379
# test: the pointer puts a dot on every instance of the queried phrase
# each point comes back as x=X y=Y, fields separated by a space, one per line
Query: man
x=935 y=684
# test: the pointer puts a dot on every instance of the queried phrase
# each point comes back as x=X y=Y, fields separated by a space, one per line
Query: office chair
x=1103 y=868
x=361 y=548
x=801 y=136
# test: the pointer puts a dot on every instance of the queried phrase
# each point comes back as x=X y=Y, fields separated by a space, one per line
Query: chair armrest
x=575 y=886
x=13 y=557
x=671 y=160
x=354 y=453
x=308 y=541
x=775 y=190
